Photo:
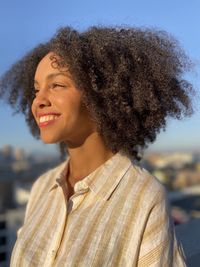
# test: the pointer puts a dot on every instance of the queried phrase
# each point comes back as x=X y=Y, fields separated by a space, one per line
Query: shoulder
x=144 y=185
x=41 y=187
x=47 y=179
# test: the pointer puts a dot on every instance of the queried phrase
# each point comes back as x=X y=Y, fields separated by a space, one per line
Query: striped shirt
x=117 y=216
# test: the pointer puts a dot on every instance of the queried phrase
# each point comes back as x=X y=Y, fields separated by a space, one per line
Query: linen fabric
x=117 y=216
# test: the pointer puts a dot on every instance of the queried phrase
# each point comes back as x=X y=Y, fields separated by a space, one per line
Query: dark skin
x=61 y=117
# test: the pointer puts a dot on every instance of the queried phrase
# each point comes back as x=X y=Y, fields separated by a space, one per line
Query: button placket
x=76 y=200
x=59 y=229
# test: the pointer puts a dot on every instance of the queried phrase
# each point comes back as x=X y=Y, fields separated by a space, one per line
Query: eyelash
x=57 y=85
x=54 y=85
x=36 y=91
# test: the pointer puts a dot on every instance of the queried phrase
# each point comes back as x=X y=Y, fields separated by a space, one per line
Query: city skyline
x=21 y=31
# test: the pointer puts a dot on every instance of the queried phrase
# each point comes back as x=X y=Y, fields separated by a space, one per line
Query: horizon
x=53 y=151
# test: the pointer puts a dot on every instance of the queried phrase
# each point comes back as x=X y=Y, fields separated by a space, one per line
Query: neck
x=87 y=157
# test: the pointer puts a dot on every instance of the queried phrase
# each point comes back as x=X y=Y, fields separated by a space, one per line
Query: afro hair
x=132 y=80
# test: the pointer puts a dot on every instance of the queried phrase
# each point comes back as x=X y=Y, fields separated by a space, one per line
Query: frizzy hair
x=132 y=80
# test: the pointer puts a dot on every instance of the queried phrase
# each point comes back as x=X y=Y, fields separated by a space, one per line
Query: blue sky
x=23 y=24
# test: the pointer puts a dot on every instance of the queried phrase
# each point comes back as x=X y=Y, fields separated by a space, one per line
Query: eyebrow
x=53 y=75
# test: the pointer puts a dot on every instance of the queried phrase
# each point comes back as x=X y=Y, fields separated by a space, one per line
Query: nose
x=41 y=100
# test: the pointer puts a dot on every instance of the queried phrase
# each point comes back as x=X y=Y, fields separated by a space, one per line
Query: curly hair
x=132 y=80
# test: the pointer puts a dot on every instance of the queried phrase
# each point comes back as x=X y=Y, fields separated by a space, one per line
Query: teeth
x=47 y=118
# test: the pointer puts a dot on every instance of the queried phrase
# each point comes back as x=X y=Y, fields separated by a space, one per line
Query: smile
x=47 y=120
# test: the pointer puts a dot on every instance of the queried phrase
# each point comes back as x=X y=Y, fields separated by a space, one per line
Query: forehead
x=47 y=65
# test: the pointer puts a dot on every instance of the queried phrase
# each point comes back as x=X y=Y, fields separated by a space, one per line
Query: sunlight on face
x=57 y=106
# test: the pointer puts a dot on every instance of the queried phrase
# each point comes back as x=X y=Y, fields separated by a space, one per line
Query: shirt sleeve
x=159 y=246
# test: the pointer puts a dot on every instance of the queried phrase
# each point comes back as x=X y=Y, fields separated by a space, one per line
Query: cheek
x=69 y=105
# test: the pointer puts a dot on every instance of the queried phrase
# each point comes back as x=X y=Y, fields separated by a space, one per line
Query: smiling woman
x=57 y=106
x=103 y=95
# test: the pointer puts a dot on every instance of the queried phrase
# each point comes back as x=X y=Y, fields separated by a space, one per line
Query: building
x=10 y=221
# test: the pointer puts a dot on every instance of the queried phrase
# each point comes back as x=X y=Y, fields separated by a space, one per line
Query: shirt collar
x=102 y=181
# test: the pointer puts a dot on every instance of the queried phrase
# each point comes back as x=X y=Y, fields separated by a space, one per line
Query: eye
x=36 y=91
x=54 y=85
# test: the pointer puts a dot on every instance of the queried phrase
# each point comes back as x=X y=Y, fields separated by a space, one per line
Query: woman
x=103 y=95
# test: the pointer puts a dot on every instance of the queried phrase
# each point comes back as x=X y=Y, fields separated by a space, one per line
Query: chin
x=49 y=140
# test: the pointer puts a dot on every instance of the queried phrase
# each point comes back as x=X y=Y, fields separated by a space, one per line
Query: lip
x=47 y=114
x=47 y=123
